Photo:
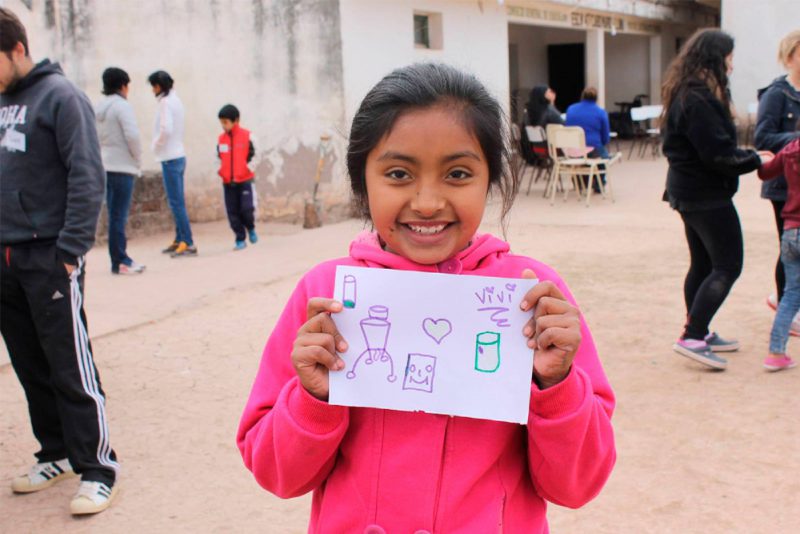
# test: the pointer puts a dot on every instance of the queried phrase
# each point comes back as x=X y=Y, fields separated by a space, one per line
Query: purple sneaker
x=699 y=351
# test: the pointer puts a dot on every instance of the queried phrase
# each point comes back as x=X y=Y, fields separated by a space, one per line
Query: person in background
x=541 y=109
x=122 y=159
x=704 y=167
x=235 y=150
x=594 y=121
x=778 y=110
x=168 y=149
x=52 y=177
x=786 y=164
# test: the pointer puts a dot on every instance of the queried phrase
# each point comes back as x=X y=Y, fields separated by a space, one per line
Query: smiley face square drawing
x=420 y=371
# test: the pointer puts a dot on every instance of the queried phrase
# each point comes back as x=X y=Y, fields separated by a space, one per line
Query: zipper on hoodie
x=441 y=475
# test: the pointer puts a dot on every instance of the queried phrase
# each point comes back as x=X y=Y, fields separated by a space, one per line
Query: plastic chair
x=538 y=138
x=645 y=135
x=575 y=163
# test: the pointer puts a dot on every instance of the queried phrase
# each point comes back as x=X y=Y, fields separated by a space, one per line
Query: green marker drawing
x=487 y=352
x=349 y=291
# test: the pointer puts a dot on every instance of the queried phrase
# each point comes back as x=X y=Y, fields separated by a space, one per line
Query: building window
x=422 y=36
x=428 y=30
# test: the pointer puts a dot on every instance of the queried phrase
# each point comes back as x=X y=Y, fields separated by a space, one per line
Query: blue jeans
x=119 y=192
x=790 y=303
x=172 y=171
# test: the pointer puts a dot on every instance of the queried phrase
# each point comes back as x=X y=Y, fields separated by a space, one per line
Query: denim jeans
x=119 y=192
x=790 y=303
x=172 y=171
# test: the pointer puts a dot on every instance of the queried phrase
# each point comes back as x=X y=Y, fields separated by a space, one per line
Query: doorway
x=566 y=72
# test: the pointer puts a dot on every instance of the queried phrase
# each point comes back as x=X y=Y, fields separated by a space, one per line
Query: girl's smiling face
x=427 y=182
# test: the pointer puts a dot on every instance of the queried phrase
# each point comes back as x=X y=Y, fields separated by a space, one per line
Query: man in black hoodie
x=52 y=184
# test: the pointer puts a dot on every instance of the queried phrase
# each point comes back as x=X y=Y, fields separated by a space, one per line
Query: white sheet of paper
x=437 y=343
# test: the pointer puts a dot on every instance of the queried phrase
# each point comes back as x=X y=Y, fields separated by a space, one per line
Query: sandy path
x=698 y=451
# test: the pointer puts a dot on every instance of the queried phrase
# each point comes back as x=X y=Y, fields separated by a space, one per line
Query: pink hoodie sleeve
x=571 y=448
x=288 y=438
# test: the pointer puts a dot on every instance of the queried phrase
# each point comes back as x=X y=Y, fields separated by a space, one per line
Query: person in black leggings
x=704 y=168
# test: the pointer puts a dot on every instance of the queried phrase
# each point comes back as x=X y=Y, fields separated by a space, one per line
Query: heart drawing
x=437 y=329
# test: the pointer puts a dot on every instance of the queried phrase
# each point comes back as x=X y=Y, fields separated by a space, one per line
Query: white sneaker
x=92 y=497
x=772 y=301
x=42 y=476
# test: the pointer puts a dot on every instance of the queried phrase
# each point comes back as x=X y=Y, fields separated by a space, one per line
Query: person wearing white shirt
x=168 y=150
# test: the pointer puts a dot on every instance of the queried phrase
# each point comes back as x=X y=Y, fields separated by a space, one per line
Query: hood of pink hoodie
x=366 y=248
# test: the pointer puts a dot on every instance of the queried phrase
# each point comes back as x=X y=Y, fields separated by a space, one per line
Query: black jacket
x=51 y=173
x=778 y=113
x=700 y=145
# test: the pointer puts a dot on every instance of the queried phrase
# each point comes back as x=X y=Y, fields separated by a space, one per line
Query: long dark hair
x=424 y=85
x=537 y=105
x=702 y=58
x=163 y=80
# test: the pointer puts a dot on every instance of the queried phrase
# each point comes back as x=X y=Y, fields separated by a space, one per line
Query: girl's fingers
x=314 y=355
x=317 y=305
x=552 y=306
x=537 y=292
x=319 y=339
x=566 y=339
x=322 y=323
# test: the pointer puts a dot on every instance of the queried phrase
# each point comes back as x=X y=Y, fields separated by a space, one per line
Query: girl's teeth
x=427 y=229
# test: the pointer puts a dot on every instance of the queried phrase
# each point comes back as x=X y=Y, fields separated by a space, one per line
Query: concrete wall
x=278 y=61
x=378 y=37
x=757 y=27
x=627 y=68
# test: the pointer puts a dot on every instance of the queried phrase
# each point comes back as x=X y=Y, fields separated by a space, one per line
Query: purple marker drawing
x=437 y=329
x=420 y=371
x=375 y=329
x=496 y=317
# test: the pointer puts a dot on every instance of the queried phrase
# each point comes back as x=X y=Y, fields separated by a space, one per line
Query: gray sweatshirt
x=51 y=174
x=119 y=135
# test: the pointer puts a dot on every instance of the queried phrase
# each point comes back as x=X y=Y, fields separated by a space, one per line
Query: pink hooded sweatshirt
x=383 y=471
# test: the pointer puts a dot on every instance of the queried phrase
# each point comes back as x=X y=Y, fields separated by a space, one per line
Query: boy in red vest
x=235 y=150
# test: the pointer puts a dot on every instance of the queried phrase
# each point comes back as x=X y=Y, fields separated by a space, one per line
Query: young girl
x=786 y=163
x=426 y=146
x=704 y=168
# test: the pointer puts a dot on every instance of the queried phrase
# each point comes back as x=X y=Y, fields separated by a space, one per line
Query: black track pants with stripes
x=44 y=328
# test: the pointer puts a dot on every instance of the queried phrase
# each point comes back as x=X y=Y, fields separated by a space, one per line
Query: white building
x=758 y=28
x=299 y=68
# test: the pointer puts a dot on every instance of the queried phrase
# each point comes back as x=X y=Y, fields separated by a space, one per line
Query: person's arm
x=571 y=449
x=774 y=168
x=165 y=123
x=288 y=438
x=768 y=134
x=553 y=116
x=251 y=151
x=79 y=148
x=130 y=131
x=705 y=126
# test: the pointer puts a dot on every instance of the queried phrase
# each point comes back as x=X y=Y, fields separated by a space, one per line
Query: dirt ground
x=177 y=348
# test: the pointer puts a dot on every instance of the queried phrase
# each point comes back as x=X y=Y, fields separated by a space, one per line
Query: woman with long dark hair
x=704 y=168
x=540 y=110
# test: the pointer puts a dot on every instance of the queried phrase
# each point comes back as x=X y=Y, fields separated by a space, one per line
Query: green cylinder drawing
x=487 y=352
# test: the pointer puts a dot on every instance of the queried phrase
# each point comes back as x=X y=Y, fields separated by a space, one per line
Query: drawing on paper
x=487 y=352
x=437 y=329
x=349 y=291
x=420 y=371
x=495 y=296
x=375 y=329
